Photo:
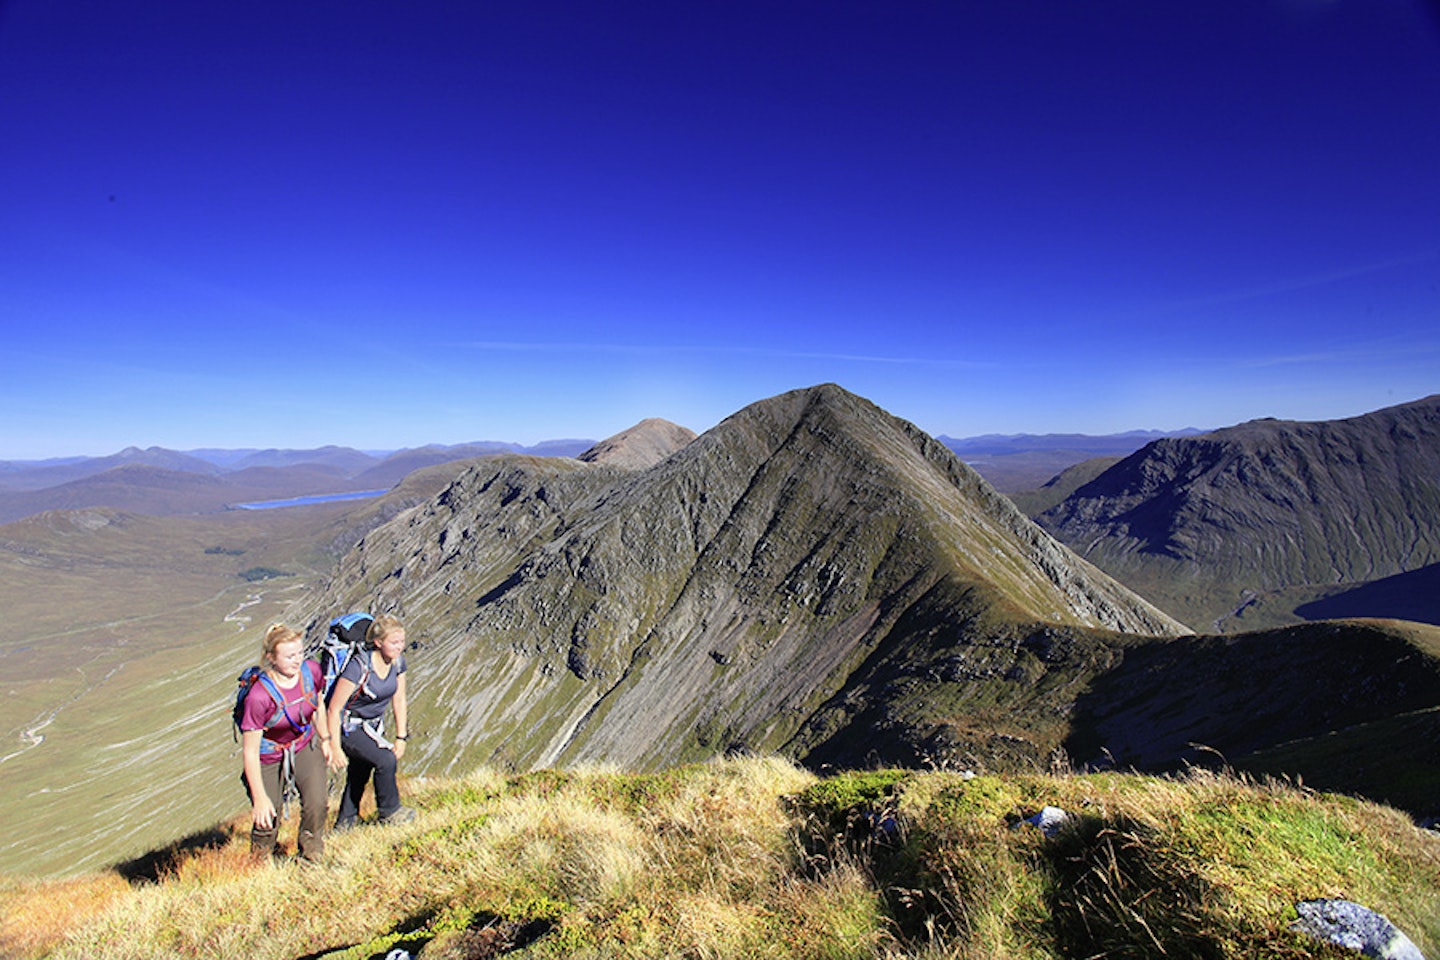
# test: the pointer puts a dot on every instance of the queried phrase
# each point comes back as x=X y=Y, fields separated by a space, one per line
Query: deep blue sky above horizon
x=384 y=223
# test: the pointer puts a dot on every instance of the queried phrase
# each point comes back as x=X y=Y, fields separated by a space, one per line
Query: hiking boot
x=400 y=815
x=342 y=825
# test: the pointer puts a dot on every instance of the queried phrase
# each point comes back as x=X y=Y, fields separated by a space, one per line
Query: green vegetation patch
x=252 y=574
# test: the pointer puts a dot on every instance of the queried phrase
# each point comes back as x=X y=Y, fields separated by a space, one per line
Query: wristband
x=406 y=737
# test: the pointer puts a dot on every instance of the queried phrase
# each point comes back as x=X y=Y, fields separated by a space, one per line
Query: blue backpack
x=342 y=641
x=253 y=675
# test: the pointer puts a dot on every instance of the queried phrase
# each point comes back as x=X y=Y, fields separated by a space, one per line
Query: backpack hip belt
x=374 y=729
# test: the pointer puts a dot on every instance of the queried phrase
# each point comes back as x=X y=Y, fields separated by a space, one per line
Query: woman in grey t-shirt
x=371 y=683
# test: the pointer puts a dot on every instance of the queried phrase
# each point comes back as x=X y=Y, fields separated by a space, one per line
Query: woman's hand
x=334 y=754
x=262 y=814
x=399 y=749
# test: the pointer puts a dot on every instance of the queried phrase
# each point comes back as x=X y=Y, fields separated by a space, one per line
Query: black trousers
x=366 y=757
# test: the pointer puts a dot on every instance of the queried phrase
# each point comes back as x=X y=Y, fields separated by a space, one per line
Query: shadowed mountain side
x=574 y=612
x=1393 y=760
x=1198 y=524
x=1168 y=702
x=641 y=446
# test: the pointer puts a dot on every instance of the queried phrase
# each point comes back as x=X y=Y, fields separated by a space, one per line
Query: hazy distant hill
x=723 y=597
x=1205 y=525
x=160 y=492
x=20 y=476
x=347 y=461
x=1035 y=502
x=1014 y=463
x=241 y=476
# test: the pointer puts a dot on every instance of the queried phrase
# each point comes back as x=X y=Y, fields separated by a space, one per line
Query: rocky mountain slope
x=1204 y=525
x=720 y=599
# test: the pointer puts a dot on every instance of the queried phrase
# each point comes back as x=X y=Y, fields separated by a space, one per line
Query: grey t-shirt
x=370 y=699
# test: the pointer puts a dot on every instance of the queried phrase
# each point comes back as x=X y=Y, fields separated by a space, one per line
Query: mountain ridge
x=1202 y=523
x=789 y=541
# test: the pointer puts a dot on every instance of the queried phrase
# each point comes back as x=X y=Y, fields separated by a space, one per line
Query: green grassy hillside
x=756 y=858
x=124 y=635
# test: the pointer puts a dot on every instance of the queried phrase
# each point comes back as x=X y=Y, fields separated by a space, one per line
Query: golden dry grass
x=756 y=858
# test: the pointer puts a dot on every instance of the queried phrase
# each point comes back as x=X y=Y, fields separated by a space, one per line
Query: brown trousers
x=311 y=780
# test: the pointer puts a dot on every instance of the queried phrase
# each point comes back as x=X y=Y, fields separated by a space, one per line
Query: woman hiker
x=371 y=682
x=284 y=736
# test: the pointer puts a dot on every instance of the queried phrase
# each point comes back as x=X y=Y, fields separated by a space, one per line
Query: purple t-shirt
x=299 y=711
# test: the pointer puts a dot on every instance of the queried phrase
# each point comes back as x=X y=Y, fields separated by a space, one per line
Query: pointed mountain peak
x=641 y=446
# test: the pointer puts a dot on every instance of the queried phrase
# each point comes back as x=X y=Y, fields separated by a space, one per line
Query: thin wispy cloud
x=637 y=349
x=1390 y=350
x=1293 y=284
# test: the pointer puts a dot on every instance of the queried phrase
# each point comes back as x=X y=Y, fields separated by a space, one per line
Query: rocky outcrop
x=1198 y=524
x=577 y=612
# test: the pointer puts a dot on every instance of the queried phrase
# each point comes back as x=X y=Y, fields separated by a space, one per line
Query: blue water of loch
x=302 y=501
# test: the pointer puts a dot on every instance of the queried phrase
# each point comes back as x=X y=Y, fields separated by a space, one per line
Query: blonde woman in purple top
x=285 y=736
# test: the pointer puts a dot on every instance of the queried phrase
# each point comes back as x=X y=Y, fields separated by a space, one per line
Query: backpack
x=247 y=679
x=343 y=640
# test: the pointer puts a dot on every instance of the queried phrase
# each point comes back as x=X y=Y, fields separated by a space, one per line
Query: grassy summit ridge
x=756 y=858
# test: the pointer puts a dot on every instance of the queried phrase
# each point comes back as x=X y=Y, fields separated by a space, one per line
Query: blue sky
x=382 y=223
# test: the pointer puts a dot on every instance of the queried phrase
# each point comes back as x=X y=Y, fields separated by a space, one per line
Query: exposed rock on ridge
x=579 y=612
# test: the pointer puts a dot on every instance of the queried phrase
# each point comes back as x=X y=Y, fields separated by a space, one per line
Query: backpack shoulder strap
x=282 y=708
x=272 y=689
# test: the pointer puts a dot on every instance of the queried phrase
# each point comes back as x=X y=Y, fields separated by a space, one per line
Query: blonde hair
x=381 y=627
x=276 y=634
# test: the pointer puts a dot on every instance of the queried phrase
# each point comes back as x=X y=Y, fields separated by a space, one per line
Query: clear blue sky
x=383 y=223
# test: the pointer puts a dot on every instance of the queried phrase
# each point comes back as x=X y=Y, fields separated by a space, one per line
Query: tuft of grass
x=754 y=857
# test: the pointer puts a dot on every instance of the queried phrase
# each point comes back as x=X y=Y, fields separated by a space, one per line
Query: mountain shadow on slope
x=1414 y=595
x=1201 y=700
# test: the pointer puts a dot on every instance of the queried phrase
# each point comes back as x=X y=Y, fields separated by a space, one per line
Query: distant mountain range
x=1012 y=464
x=166 y=482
